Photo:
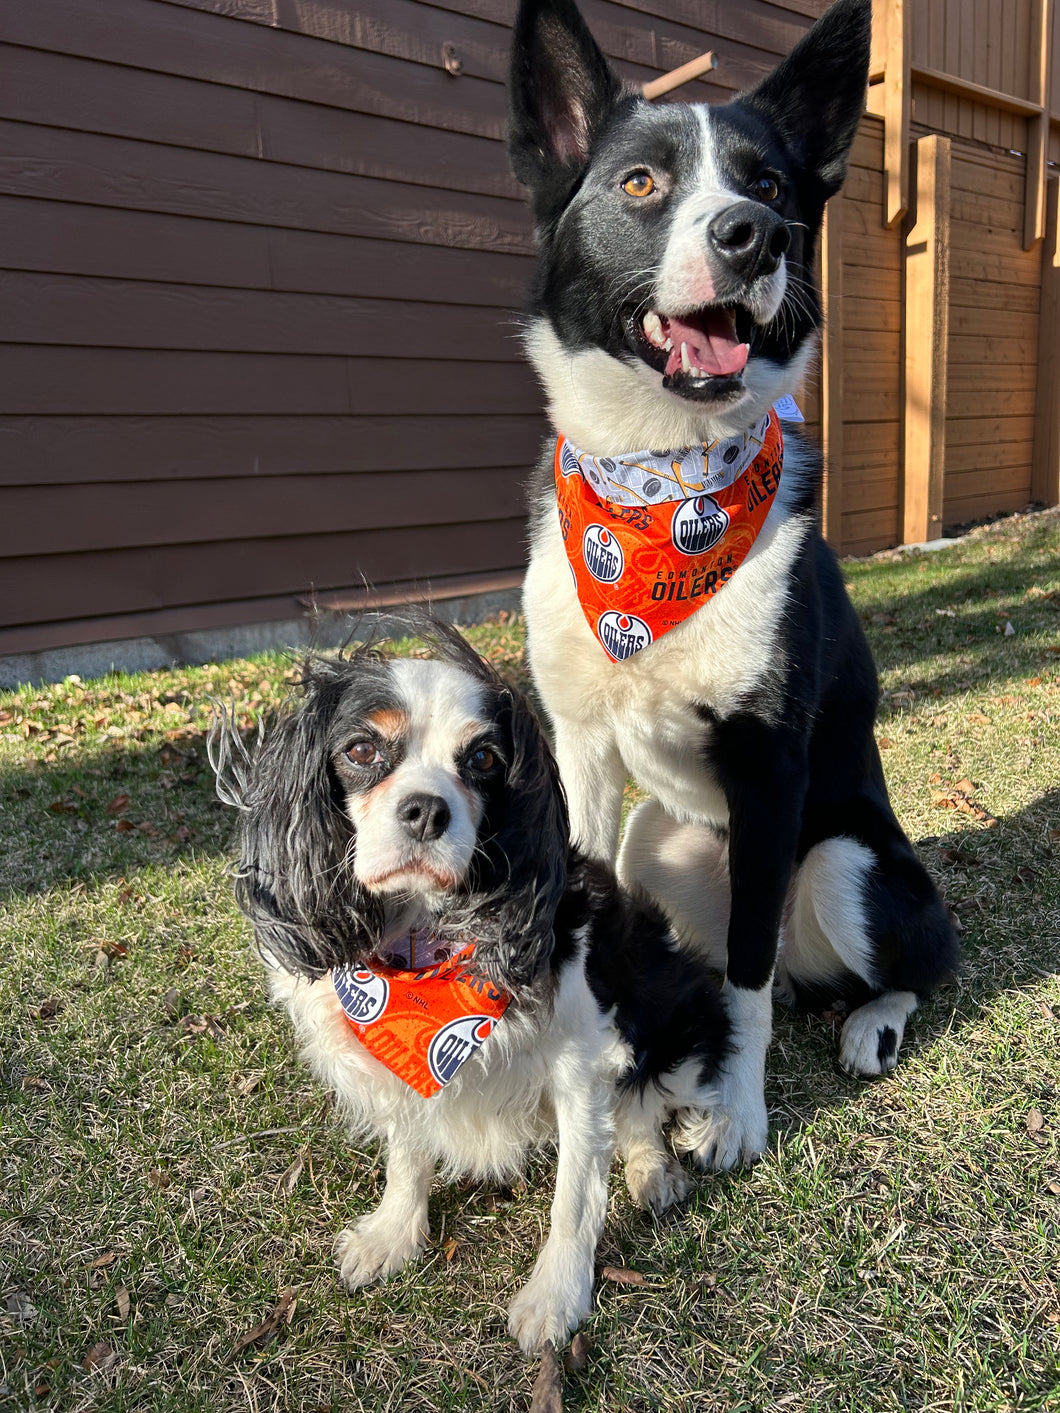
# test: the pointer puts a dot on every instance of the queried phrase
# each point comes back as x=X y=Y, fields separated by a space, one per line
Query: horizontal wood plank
x=143 y=245
x=39 y=379
x=35 y=521
x=959 y=510
x=47 y=588
x=56 y=164
x=39 y=451
x=76 y=309
x=60 y=90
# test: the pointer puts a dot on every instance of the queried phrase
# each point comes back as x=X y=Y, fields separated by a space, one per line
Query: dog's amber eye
x=766 y=189
x=364 y=753
x=483 y=759
x=639 y=184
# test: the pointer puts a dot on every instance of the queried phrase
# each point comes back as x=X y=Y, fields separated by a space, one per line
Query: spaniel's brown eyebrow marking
x=389 y=722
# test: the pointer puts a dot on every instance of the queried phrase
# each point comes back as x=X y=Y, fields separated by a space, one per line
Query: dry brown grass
x=897 y=1248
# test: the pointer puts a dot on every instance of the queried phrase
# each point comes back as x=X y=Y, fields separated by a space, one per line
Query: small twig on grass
x=260 y=1133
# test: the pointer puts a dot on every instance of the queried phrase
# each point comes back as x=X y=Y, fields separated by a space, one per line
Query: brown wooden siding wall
x=260 y=267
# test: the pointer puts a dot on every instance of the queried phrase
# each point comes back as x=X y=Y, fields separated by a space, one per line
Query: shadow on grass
x=108 y=812
x=958 y=616
x=1003 y=885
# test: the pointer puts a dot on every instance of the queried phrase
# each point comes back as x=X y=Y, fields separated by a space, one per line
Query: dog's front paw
x=549 y=1306
x=373 y=1250
x=655 y=1180
x=723 y=1137
x=872 y=1035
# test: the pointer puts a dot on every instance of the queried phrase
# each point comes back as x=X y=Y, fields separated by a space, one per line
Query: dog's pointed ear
x=561 y=88
x=817 y=95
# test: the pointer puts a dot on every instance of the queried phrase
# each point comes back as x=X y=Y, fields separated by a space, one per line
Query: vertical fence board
x=926 y=338
x=1045 y=466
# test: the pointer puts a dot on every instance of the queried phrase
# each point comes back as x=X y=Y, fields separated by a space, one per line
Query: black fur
x=527 y=898
x=666 y=1002
x=797 y=760
x=574 y=127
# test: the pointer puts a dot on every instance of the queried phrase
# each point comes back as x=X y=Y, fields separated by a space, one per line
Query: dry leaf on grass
x=105 y=1260
x=50 y=1008
x=547 y=1396
x=289 y=1180
x=959 y=797
x=121 y=1300
x=450 y=1248
x=119 y=804
x=282 y=1313
x=100 y=1358
x=577 y=1356
x=622 y=1275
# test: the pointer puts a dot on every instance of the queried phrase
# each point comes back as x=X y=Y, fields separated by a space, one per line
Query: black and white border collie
x=419 y=795
x=674 y=304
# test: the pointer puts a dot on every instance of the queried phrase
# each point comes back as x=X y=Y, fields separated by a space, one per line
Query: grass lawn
x=168 y=1169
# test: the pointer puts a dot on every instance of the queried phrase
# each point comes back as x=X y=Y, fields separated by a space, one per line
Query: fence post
x=832 y=371
x=926 y=312
x=1045 y=465
x=896 y=109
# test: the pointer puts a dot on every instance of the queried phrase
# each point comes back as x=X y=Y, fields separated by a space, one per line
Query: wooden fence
x=262 y=262
x=940 y=384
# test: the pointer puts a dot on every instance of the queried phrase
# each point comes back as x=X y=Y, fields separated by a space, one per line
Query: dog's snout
x=424 y=817
x=749 y=238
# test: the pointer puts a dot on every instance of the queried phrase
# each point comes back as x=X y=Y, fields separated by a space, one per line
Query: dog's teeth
x=668 y=345
x=653 y=326
x=686 y=362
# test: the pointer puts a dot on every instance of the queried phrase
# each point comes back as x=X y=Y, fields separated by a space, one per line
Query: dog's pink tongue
x=712 y=343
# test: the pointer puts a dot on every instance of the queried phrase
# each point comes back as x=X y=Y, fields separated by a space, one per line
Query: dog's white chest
x=651 y=706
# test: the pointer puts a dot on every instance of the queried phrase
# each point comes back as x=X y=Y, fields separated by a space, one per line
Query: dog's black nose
x=749 y=238
x=425 y=817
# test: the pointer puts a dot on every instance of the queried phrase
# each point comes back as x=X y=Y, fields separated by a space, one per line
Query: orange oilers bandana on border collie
x=651 y=537
x=422 y=1023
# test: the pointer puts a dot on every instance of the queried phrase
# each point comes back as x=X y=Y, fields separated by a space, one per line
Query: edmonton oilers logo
x=698 y=525
x=455 y=1043
x=602 y=554
x=362 y=993
x=622 y=634
x=568 y=462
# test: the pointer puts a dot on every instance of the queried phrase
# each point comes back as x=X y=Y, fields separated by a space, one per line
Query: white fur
x=541 y=1076
x=442 y=709
x=636 y=716
x=736 y=1128
x=608 y=406
x=860 y=1043
x=685 y=281
x=685 y=867
x=826 y=929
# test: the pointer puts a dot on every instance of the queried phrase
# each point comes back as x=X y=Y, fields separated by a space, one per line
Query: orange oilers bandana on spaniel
x=650 y=537
x=422 y=1023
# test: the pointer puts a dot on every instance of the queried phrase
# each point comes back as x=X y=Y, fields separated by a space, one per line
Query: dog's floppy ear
x=561 y=89
x=817 y=95
x=295 y=879
x=520 y=867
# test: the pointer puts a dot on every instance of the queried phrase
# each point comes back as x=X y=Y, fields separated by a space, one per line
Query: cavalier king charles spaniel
x=466 y=982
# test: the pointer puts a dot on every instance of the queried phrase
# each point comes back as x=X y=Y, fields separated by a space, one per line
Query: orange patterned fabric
x=422 y=1024
x=642 y=564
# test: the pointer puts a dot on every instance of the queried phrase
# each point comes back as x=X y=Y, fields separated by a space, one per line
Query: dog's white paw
x=550 y=1306
x=873 y=1034
x=373 y=1250
x=723 y=1137
x=655 y=1180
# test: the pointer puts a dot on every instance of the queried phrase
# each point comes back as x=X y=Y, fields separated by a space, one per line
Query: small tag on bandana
x=643 y=559
x=422 y=1024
